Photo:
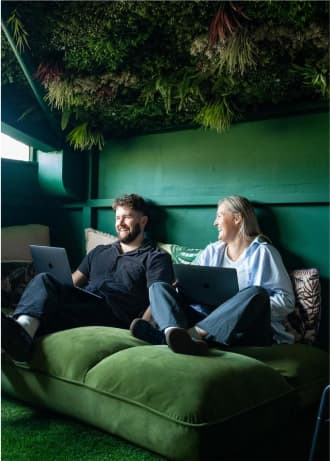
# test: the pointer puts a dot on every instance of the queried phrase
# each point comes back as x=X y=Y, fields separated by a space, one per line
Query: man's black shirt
x=123 y=279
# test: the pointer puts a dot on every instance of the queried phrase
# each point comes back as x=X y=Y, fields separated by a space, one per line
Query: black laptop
x=206 y=285
x=54 y=260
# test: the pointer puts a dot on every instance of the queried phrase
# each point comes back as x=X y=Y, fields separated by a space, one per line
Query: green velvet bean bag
x=182 y=407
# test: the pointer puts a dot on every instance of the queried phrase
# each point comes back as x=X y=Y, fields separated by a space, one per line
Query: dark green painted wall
x=21 y=196
x=282 y=165
x=18 y=179
x=282 y=160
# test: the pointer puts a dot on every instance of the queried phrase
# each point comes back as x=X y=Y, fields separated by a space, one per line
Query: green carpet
x=29 y=434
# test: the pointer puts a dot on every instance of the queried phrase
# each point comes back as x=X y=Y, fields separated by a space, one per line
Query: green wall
x=21 y=196
x=274 y=161
x=282 y=165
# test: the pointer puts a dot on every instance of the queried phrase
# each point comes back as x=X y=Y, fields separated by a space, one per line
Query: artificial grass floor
x=29 y=434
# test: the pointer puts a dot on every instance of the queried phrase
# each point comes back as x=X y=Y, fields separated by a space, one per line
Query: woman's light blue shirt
x=261 y=265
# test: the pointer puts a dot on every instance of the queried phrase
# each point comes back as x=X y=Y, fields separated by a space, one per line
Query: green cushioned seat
x=71 y=353
x=305 y=367
x=180 y=406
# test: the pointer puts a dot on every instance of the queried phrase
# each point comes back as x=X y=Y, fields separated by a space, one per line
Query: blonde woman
x=254 y=316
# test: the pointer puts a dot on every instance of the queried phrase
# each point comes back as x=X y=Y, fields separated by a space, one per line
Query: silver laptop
x=54 y=260
x=206 y=285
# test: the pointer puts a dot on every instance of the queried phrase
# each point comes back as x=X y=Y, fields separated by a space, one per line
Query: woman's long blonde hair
x=237 y=204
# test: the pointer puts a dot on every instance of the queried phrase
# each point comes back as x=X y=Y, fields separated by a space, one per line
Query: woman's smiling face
x=227 y=223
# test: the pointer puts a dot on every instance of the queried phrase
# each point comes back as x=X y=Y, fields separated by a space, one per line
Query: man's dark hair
x=133 y=201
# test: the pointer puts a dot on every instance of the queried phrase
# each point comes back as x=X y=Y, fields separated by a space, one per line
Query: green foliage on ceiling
x=126 y=67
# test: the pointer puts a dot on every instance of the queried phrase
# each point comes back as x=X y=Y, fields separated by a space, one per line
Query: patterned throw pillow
x=95 y=237
x=181 y=254
x=14 y=278
x=303 y=322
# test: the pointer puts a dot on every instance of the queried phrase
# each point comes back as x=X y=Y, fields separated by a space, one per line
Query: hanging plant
x=189 y=89
x=65 y=118
x=314 y=78
x=165 y=87
x=234 y=56
x=81 y=91
x=226 y=22
x=217 y=115
x=19 y=33
x=60 y=94
x=48 y=73
x=83 y=137
x=179 y=91
x=237 y=55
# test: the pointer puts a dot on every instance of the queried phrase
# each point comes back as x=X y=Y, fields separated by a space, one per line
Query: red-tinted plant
x=48 y=72
x=226 y=22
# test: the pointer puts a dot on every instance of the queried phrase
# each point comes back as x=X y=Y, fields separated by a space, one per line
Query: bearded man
x=121 y=273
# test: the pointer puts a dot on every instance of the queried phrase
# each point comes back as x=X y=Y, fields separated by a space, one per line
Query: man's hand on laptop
x=79 y=279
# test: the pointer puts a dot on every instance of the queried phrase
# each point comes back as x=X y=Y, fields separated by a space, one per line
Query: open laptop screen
x=206 y=285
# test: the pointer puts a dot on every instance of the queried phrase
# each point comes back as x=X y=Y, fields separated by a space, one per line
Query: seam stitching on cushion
x=152 y=410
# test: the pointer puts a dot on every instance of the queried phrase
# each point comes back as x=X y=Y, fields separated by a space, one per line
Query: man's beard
x=128 y=238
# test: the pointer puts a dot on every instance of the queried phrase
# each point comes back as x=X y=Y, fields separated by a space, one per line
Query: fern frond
x=217 y=115
x=164 y=87
x=314 y=78
x=19 y=33
x=82 y=137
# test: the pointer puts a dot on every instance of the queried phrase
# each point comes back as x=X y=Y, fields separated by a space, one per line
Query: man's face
x=129 y=224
